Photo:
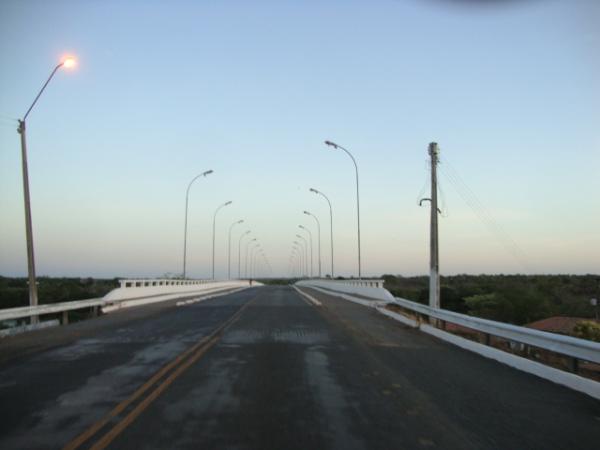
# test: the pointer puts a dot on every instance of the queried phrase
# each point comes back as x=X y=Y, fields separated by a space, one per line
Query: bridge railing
x=434 y=321
x=369 y=289
x=152 y=282
x=130 y=292
x=578 y=349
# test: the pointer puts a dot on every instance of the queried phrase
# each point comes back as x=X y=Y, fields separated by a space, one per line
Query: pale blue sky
x=166 y=90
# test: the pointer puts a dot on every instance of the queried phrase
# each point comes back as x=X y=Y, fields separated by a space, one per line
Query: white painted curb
x=162 y=298
x=360 y=301
x=570 y=380
x=567 y=379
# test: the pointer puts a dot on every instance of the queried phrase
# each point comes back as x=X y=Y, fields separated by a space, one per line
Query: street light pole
x=252 y=249
x=187 y=197
x=33 y=293
x=253 y=254
x=229 y=249
x=319 y=235
x=334 y=145
x=214 y=232
x=305 y=248
x=246 y=262
x=298 y=261
x=253 y=264
x=311 y=248
x=294 y=258
x=330 y=224
x=240 y=254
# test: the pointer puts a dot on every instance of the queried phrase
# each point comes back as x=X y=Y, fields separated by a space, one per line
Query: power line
x=469 y=197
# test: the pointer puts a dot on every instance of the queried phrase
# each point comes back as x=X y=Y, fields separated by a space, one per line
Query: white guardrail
x=580 y=349
x=371 y=289
x=566 y=345
x=130 y=293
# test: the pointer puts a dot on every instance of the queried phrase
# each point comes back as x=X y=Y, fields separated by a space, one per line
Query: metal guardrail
x=130 y=289
x=53 y=308
x=566 y=345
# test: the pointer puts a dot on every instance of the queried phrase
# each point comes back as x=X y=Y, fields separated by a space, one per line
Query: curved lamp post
x=330 y=223
x=252 y=256
x=214 y=229
x=240 y=254
x=336 y=146
x=33 y=293
x=246 y=262
x=264 y=262
x=301 y=257
x=254 y=267
x=293 y=260
x=297 y=260
x=229 y=249
x=311 y=248
x=187 y=197
x=255 y=261
x=319 y=237
x=305 y=248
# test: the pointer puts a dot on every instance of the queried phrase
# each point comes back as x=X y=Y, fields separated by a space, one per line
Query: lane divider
x=167 y=374
x=310 y=298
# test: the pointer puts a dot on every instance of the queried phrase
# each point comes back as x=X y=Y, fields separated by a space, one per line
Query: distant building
x=558 y=324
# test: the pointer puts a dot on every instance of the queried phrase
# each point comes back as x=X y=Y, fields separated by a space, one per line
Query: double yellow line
x=150 y=390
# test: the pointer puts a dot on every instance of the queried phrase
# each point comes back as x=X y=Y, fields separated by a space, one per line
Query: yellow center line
x=197 y=350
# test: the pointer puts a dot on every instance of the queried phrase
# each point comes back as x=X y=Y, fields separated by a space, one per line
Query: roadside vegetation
x=14 y=291
x=516 y=299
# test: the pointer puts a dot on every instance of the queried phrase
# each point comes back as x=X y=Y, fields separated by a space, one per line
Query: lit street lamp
x=311 y=248
x=334 y=145
x=229 y=249
x=33 y=294
x=187 y=197
x=330 y=224
x=319 y=235
x=214 y=230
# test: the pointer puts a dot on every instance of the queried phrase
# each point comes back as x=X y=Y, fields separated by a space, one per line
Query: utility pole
x=434 y=263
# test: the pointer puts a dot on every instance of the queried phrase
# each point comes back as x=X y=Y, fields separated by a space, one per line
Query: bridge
x=319 y=364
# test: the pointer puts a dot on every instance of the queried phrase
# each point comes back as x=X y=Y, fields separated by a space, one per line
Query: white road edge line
x=310 y=298
x=567 y=379
x=208 y=297
x=367 y=303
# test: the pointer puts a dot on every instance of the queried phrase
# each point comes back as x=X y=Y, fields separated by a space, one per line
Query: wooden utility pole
x=434 y=264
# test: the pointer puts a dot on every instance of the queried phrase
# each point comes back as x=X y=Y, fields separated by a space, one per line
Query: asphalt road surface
x=264 y=368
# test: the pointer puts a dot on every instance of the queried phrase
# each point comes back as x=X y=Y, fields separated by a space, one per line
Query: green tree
x=586 y=329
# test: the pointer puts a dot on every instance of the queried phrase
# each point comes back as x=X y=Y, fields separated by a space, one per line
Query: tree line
x=516 y=299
